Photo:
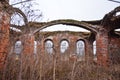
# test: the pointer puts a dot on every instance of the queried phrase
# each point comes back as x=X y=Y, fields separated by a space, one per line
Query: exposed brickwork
x=102 y=47
x=27 y=56
x=28 y=44
x=107 y=45
x=104 y=44
x=71 y=38
x=114 y=50
x=4 y=36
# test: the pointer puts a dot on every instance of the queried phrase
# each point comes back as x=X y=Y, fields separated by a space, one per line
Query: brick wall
x=4 y=36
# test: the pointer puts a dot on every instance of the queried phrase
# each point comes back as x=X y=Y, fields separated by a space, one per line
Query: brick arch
x=48 y=39
x=81 y=40
x=68 y=22
x=64 y=39
x=17 y=10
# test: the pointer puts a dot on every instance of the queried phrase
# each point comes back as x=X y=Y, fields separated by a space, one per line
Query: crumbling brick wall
x=71 y=38
x=114 y=49
x=4 y=35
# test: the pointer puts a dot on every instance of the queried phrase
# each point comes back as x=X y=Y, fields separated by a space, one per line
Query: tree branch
x=21 y=2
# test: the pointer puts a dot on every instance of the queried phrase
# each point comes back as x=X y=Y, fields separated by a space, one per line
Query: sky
x=73 y=9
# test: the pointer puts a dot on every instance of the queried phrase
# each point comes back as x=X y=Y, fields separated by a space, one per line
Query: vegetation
x=44 y=66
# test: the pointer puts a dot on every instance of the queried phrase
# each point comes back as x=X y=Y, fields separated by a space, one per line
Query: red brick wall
x=4 y=36
x=72 y=39
x=102 y=48
x=114 y=47
x=28 y=44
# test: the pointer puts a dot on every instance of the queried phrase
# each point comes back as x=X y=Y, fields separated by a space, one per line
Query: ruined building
x=33 y=40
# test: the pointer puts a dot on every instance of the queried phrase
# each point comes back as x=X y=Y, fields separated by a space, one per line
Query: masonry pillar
x=28 y=44
x=28 y=50
x=88 y=51
x=27 y=57
x=72 y=45
x=102 y=47
x=4 y=35
x=56 y=46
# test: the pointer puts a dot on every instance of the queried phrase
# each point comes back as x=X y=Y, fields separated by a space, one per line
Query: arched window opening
x=64 y=46
x=18 y=47
x=35 y=47
x=49 y=46
x=80 y=48
x=94 y=48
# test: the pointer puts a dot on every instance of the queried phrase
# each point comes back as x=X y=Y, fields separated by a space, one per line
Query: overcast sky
x=74 y=9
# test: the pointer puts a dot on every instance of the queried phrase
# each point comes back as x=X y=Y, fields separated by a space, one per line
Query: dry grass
x=51 y=67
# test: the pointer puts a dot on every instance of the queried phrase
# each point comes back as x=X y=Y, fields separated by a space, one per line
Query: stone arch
x=68 y=22
x=64 y=44
x=48 y=46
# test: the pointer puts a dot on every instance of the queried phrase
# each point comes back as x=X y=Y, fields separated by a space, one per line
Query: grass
x=32 y=67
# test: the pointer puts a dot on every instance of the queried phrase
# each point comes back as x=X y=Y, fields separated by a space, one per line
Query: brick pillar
x=102 y=47
x=28 y=44
x=72 y=45
x=72 y=49
x=56 y=43
x=42 y=47
x=88 y=51
x=4 y=35
x=27 y=57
